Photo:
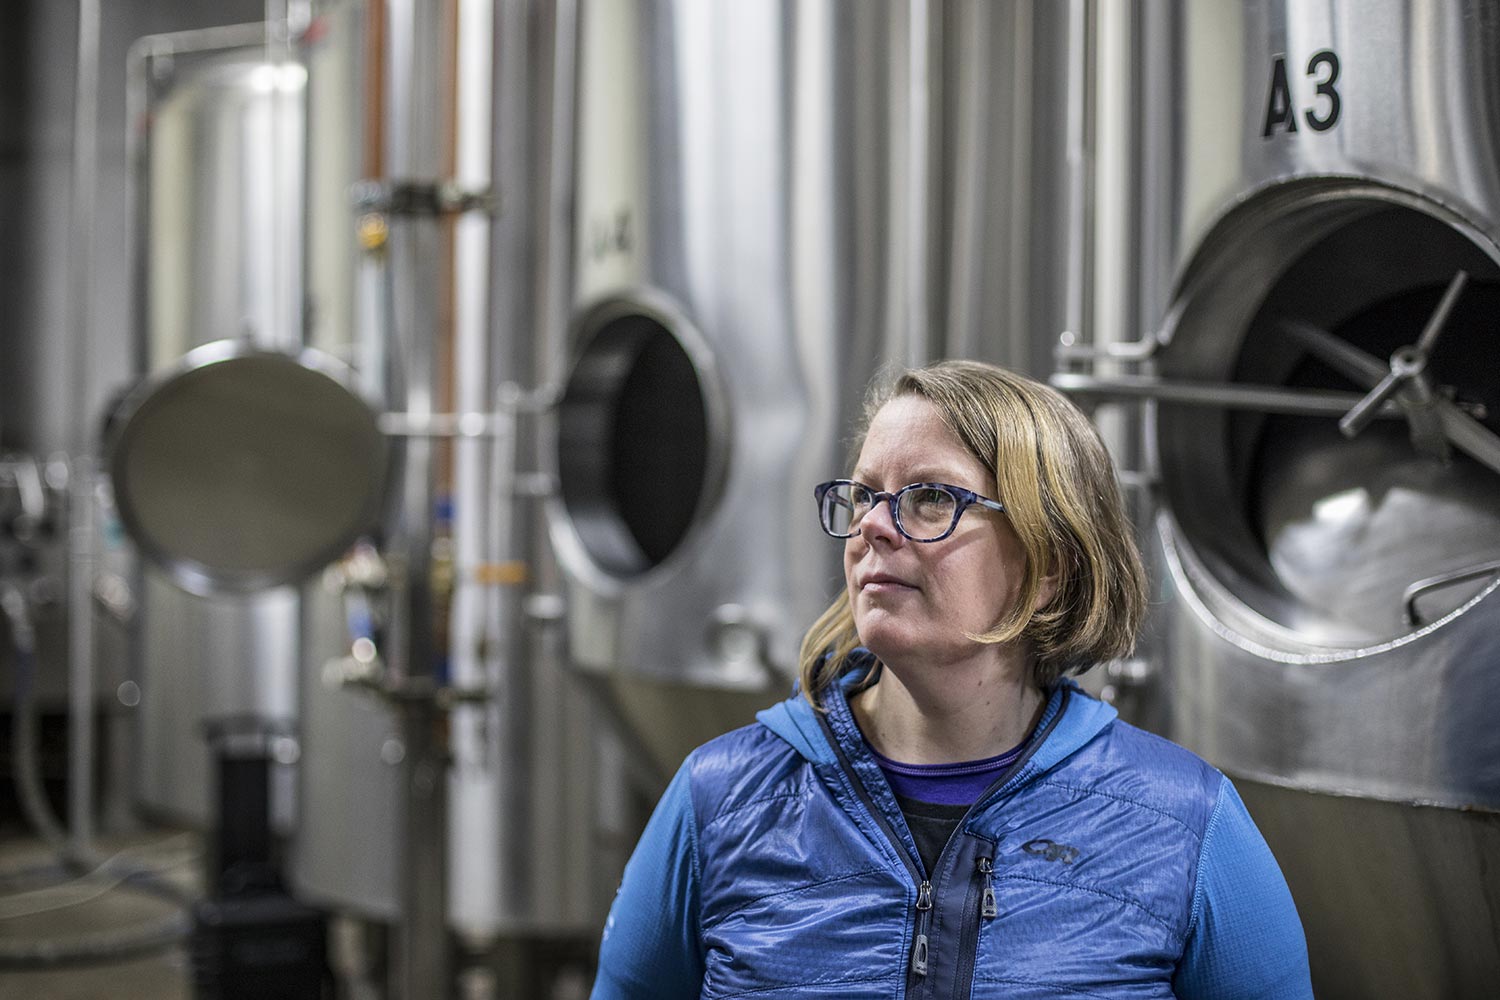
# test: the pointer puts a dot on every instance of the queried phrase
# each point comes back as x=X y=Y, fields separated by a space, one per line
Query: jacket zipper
x=924 y=920
x=987 y=908
x=984 y=867
x=969 y=933
x=913 y=866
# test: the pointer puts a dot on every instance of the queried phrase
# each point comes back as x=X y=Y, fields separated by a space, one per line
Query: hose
x=92 y=947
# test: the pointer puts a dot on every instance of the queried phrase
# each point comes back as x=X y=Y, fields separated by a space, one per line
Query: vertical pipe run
x=814 y=237
x=417 y=36
x=286 y=152
x=475 y=780
x=558 y=250
x=915 y=316
x=970 y=156
x=81 y=478
x=1078 y=309
x=1113 y=221
x=372 y=132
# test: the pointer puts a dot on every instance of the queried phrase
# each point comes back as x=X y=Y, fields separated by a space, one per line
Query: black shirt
x=931 y=826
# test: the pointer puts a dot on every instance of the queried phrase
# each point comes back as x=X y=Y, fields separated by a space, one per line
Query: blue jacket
x=1107 y=863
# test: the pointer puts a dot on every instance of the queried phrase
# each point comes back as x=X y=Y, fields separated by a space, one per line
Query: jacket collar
x=794 y=720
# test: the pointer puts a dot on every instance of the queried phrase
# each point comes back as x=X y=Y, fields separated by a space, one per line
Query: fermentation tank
x=772 y=202
x=1324 y=454
x=218 y=182
x=698 y=229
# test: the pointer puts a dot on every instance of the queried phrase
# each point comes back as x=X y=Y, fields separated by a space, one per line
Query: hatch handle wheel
x=1408 y=370
x=1435 y=420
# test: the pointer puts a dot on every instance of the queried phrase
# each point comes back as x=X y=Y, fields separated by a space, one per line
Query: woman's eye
x=927 y=505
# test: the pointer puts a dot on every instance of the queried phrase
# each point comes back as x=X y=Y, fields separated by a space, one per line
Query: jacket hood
x=1083 y=717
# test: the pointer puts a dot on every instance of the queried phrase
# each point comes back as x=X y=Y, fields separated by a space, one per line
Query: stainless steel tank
x=1323 y=447
x=345 y=853
x=716 y=221
x=438 y=305
x=219 y=182
x=772 y=202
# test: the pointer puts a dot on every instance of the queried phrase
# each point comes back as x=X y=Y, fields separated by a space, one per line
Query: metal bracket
x=511 y=401
x=465 y=425
x=422 y=198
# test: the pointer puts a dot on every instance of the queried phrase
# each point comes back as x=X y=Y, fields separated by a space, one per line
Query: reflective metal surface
x=218 y=257
x=772 y=202
x=481 y=829
x=1326 y=174
x=1397 y=899
x=345 y=853
x=241 y=469
x=1295 y=544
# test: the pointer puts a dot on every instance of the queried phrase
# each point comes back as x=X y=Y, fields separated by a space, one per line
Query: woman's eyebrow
x=921 y=475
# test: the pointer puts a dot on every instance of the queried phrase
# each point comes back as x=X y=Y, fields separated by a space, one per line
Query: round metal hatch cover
x=242 y=469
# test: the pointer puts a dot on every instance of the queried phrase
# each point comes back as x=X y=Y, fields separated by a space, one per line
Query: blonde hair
x=1057 y=482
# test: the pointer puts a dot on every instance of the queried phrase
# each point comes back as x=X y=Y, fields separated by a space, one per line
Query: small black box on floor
x=260 y=947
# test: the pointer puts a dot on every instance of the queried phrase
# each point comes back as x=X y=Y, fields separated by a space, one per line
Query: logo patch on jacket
x=1050 y=850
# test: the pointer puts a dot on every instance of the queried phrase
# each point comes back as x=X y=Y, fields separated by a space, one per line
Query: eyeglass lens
x=923 y=513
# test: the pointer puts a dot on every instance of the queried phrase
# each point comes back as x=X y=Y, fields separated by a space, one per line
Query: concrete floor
x=46 y=907
x=38 y=905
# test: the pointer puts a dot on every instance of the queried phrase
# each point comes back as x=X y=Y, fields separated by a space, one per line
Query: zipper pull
x=919 y=947
x=987 y=907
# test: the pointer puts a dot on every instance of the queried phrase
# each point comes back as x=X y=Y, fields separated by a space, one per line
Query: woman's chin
x=888 y=640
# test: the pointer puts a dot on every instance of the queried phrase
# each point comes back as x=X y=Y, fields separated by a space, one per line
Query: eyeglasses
x=922 y=512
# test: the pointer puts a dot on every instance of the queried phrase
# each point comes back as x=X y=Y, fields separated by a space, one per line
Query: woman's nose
x=878 y=523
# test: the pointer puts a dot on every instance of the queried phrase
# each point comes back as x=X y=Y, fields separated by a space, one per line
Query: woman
x=942 y=812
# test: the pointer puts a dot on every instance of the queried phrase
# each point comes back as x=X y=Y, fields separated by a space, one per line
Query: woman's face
x=914 y=602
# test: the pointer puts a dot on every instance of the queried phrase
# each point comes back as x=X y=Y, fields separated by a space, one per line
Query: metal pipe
x=138 y=75
x=1078 y=304
x=283 y=17
x=415 y=145
x=474 y=780
x=1420 y=588
x=81 y=478
x=471 y=424
x=915 y=317
x=970 y=152
x=558 y=258
x=1116 y=127
x=1224 y=395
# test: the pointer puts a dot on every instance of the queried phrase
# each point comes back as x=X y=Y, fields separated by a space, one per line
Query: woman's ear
x=1046 y=589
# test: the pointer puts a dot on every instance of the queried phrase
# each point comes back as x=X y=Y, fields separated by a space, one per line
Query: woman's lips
x=883 y=583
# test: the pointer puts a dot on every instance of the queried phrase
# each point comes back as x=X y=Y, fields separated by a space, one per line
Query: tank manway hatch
x=1353 y=528
x=1324 y=444
x=634 y=441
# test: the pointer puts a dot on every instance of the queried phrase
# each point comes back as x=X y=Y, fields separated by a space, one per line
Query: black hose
x=93 y=947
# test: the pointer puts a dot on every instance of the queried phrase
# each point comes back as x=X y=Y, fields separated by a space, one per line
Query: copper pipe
x=372 y=161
